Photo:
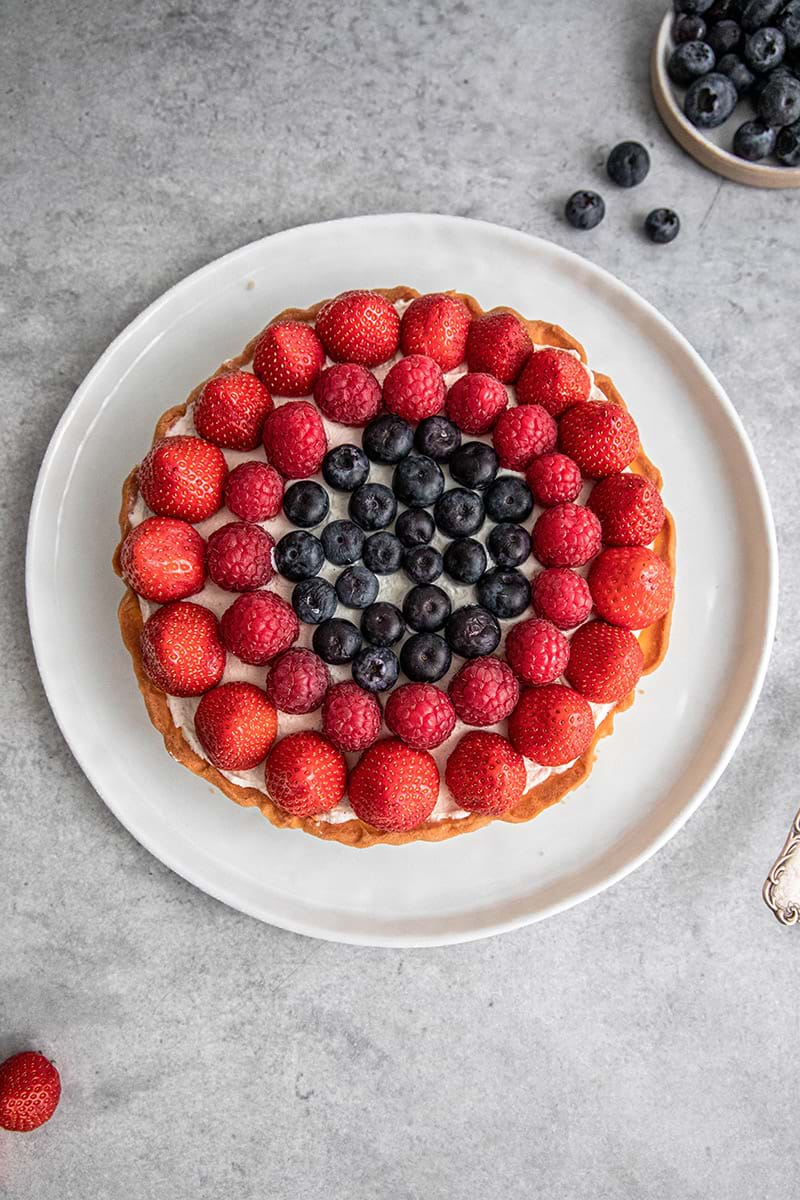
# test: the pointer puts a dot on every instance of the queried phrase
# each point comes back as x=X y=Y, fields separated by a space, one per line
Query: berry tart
x=393 y=570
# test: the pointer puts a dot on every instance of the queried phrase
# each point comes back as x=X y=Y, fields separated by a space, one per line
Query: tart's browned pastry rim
x=354 y=832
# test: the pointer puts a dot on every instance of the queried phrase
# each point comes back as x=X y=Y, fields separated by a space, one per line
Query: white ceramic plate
x=667 y=751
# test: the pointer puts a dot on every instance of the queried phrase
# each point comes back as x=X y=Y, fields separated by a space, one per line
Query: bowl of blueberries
x=726 y=81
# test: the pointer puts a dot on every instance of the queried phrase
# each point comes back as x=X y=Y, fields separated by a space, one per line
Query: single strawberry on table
x=239 y=556
x=499 y=344
x=552 y=725
x=436 y=325
x=231 y=409
x=351 y=717
x=164 y=559
x=521 y=434
x=631 y=586
x=183 y=477
x=236 y=724
x=359 y=327
x=30 y=1088
x=605 y=662
x=629 y=508
x=348 y=393
x=414 y=388
x=485 y=774
x=484 y=691
x=294 y=439
x=602 y=438
x=306 y=774
x=555 y=379
x=288 y=358
x=394 y=787
x=181 y=649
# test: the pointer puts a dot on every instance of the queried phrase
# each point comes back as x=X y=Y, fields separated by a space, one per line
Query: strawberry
x=258 y=626
x=499 y=344
x=236 y=725
x=183 y=477
x=630 y=509
x=485 y=774
x=602 y=438
x=181 y=649
x=436 y=325
x=240 y=557
x=254 y=491
x=554 y=479
x=359 y=327
x=351 y=717
x=630 y=586
x=414 y=388
x=348 y=393
x=555 y=379
x=420 y=714
x=521 y=434
x=288 y=358
x=561 y=596
x=475 y=401
x=567 y=535
x=605 y=662
x=484 y=691
x=394 y=787
x=305 y=774
x=294 y=439
x=536 y=651
x=552 y=725
x=30 y=1088
x=164 y=559
x=297 y=681
x=231 y=409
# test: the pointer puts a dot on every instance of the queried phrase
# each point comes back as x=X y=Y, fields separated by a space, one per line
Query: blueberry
x=505 y=593
x=764 y=49
x=345 y=467
x=662 y=225
x=372 y=506
x=759 y=84
x=299 y=555
x=738 y=72
x=760 y=12
x=509 y=499
x=387 y=439
x=789 y=24
x=305 y=503
x=382 y=624
x=584 y=209
x=314 y=600
x=688 y=28
x=414 y=527
x=437 y=437
x=426 y=608
x=458 y=513
x=724 y=37
x=474 y=465
x=375 y=669
x=418 y=481
x=787 y=147
x=690 y=61
x=383 y=553
x=509 y=545
x=357 y=587
x=779 y=102
x=710 y=101
x=754 y=140
x=336 y=641
x=628 y=164
x=465 y=560
x=472 y=631
x=720 y=10
x=423 y=564
x=693 y=7
x=342 y=542
x=425 y=657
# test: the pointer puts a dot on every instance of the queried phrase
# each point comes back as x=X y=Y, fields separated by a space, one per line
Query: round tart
x=394 y=569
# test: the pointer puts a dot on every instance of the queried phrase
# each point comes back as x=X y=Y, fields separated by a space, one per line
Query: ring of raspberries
x=392 y=569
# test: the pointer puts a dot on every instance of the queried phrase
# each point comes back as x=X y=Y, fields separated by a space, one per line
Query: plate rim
x=217 y=889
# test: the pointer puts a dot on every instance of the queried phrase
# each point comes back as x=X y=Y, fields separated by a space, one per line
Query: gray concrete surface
x=643 y=1044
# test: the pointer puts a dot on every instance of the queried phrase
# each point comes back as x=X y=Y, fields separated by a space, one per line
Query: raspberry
x=485 y=774
x=164 y=559
x=420 y=714
x=240 y=557
x=629 y=508
x=259 y=625
x=254 y=491
x=294 y=439
x=297 y=681
x=351 y=717
x=181 y=649
x=394 y=787
x=630 y=586
x=567 y=535
x=288 y=358
x=305 y=774
x=348 y=393
x=561 y=596
x=552 y=725
x=605 y=662
x=359 y=327
x=436 y=325
x=555 y=379
x=183 y=477
x=236 y=725
x=414 y=388
x=537 y=651
x=602 y=438
x=554 y=479
x=475 y=401
x=499 y=344
x=231 y=409
x=484 y=691
x=522 y=434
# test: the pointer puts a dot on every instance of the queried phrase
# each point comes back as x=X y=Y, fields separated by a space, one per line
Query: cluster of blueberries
x=627 y=165
x=365 y=548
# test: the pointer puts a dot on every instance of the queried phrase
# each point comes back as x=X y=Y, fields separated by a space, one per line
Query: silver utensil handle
x=781 y=889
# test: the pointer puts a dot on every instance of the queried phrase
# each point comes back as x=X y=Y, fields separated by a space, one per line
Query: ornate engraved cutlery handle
x=782 y=886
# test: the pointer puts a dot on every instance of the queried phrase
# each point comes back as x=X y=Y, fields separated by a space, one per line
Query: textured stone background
x=640 y=1045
